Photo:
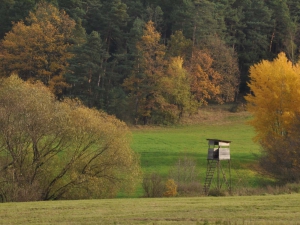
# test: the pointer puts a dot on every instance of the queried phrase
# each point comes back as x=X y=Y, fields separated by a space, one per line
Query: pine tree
x=12 y=11
x=253 y=34
x=284 y=29
x=86 y=71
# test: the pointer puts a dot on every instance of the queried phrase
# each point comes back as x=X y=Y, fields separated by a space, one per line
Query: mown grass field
x=269 y=209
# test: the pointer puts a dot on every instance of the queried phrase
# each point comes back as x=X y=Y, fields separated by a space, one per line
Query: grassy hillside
x=270 y=209
x=161 y=147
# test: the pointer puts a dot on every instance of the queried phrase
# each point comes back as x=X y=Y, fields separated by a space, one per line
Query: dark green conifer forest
x=145 y=61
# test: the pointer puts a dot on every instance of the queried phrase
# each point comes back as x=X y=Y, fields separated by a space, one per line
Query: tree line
x=145 y=61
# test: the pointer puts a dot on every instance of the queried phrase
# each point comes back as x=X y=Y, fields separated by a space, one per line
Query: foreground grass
x=270 y=209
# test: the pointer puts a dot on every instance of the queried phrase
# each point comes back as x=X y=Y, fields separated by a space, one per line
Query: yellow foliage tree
x=39 y=50
x=176 y=83
x=275 y=97
x=274 y=103
x=171 y=188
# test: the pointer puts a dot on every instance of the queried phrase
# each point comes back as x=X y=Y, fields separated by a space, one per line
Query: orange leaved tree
x=204 y=79
x=38 y=49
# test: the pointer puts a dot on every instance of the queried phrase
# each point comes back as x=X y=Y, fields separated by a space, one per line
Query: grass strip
x=269 y=209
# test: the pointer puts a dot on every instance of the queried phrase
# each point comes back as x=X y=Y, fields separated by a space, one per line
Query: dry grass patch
x=216 y=114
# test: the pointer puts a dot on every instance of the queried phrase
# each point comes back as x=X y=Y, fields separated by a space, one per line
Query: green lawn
x=269 y=209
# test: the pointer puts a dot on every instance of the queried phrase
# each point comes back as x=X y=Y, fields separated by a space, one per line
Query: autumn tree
x=38 y=48
x=274 y=103
x=212 y=71
x=225 y=62
x=144 y=83
x=204 y=79
x=60 y=150
x=177 y=92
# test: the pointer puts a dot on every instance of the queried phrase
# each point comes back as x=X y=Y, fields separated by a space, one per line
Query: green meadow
x=161 y=147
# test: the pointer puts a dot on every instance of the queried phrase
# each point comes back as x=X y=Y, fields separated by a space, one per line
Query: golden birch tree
x=275 y=97
x=274 y=103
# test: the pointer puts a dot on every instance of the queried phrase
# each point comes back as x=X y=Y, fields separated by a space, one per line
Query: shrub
x=184 y=171
x=153 y=185
x=171 y=188
x=217 y=192
x=280 y=156
x=185 y=176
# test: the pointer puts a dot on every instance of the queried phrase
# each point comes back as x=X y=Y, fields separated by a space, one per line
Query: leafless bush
x=153 y=185
x=20 y=193
x=184 y=173
x=280 y=158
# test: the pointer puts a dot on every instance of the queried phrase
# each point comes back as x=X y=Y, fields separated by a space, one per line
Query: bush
x=269 y=189
x=184 y=171
x=171 y=188
x=185 y=175
x=280 y=155
x=217 y=192
x=153 y=185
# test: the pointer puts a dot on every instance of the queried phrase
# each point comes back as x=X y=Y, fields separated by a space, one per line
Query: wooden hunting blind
x=218 y=150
